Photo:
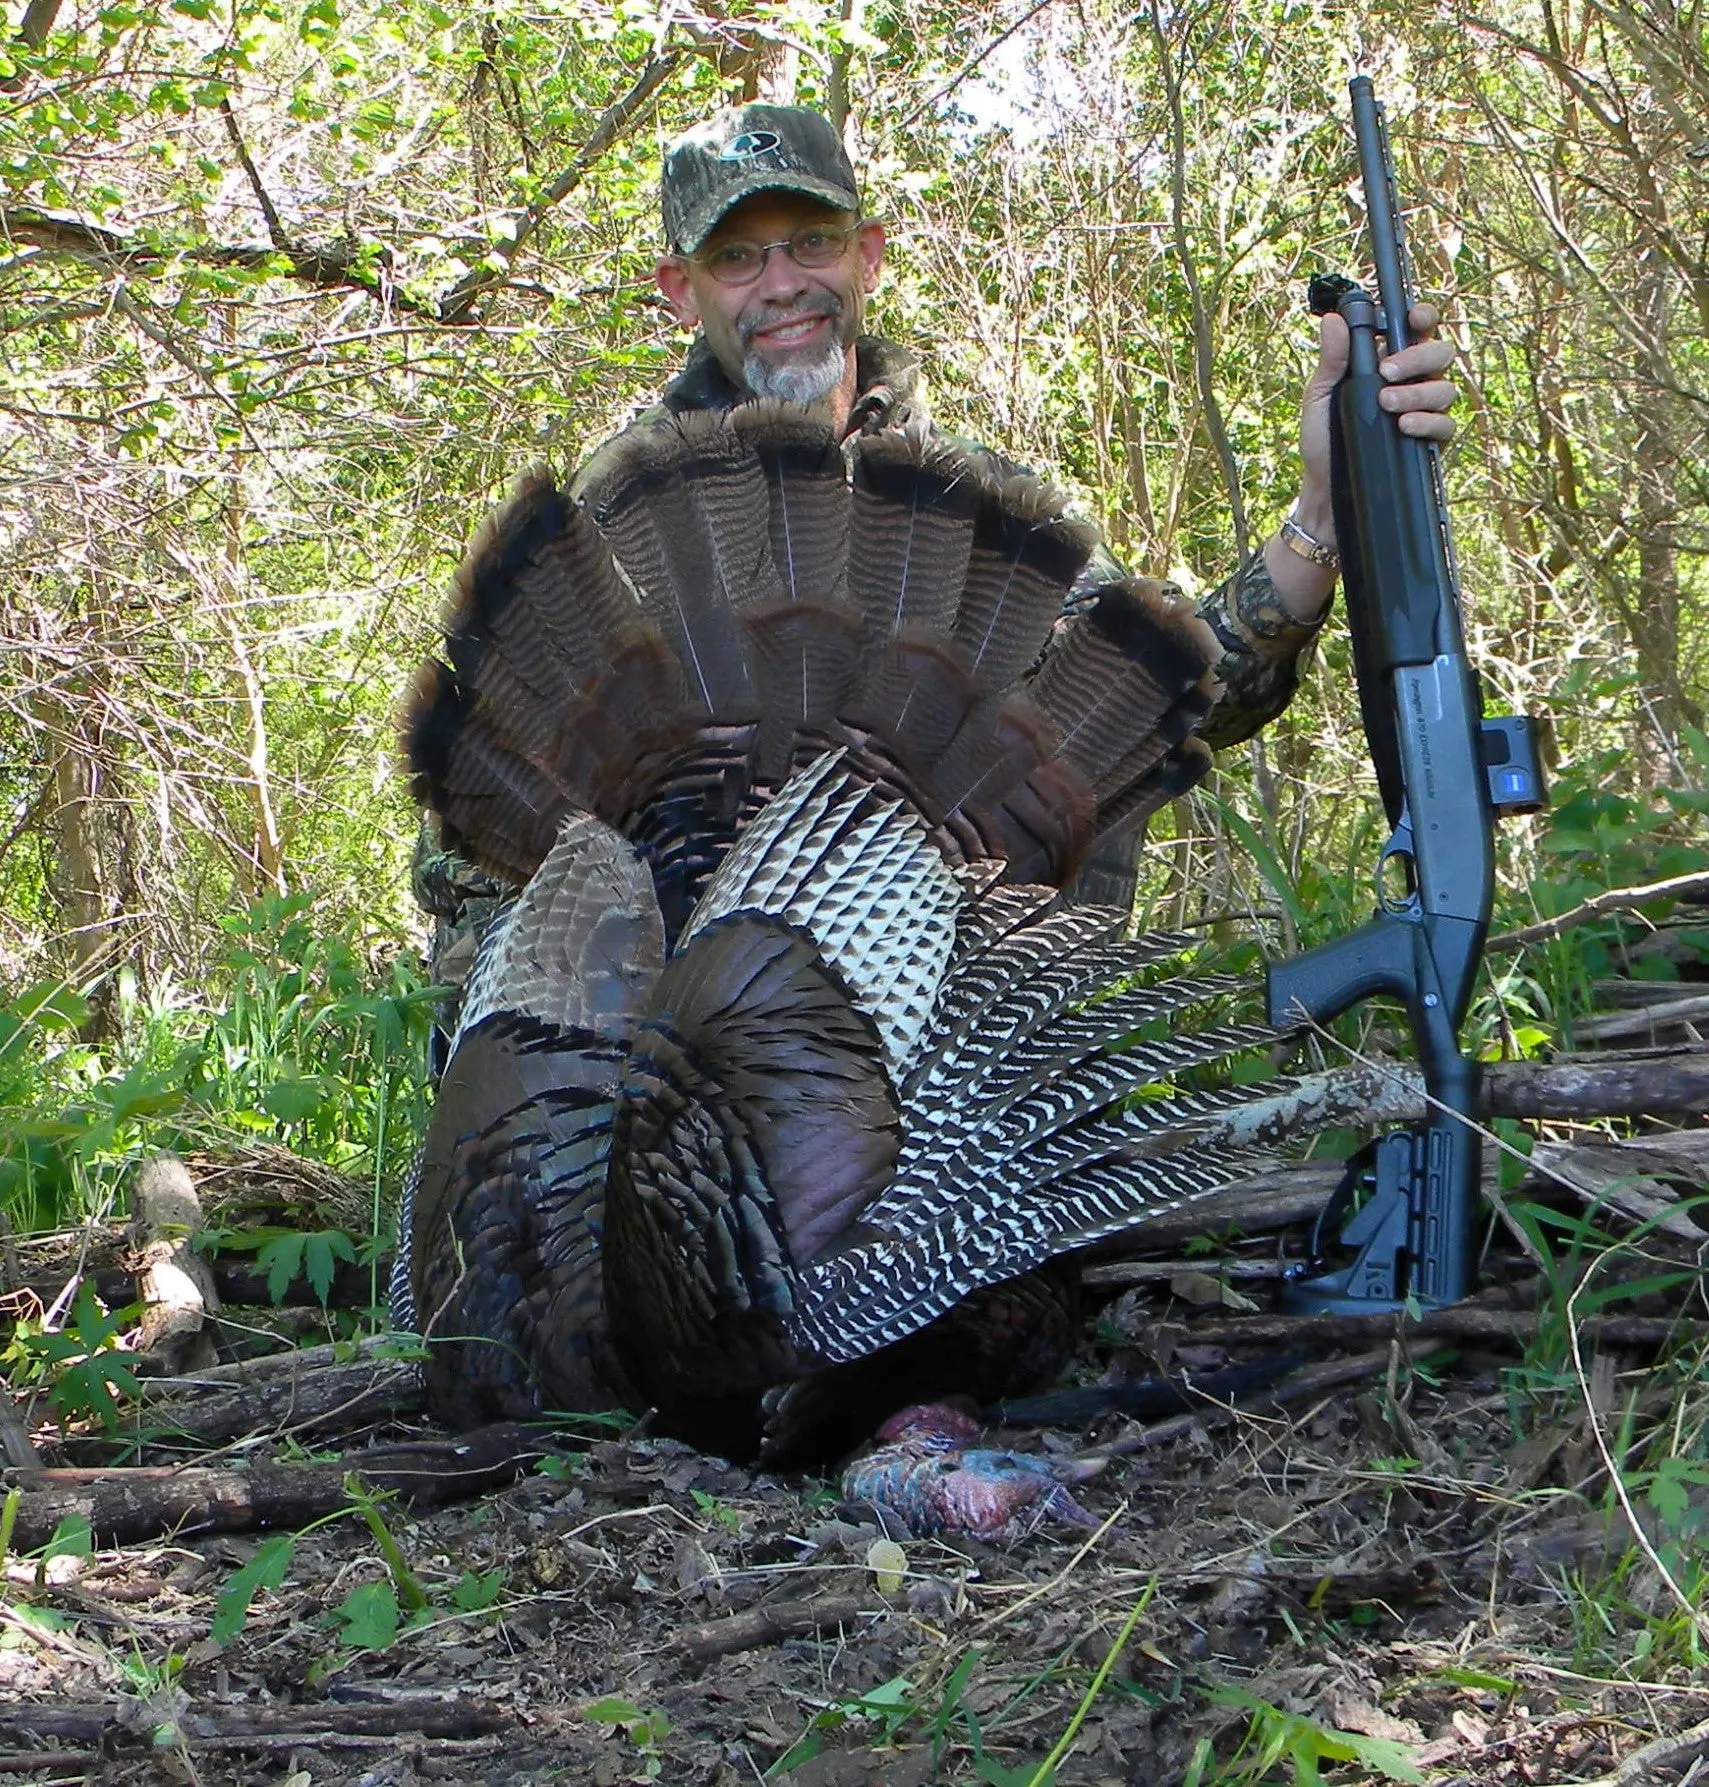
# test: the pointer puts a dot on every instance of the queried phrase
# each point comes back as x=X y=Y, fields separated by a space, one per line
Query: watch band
x=1296 y=539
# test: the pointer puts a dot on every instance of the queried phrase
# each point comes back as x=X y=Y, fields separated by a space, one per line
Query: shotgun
x=1405 y=1210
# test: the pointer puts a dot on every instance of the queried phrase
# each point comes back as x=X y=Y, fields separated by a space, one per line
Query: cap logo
x=751 y=143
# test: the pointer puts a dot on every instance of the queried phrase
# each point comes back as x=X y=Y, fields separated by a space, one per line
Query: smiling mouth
x=796 y=329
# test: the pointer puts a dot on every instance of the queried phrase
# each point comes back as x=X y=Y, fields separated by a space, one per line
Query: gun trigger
x=1399 y=846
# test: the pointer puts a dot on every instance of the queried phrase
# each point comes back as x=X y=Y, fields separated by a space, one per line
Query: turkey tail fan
x=686 y=513
x=537 y=589
x=805 y=660
x=553 y=682
x=1125 y=686
x=807 y=480
x=1025 y=559
x=911 y=532
x=496 y=807
x=804 y=648
x=1036 y=807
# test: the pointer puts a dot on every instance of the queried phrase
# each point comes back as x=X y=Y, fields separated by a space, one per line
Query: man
x=770 y=259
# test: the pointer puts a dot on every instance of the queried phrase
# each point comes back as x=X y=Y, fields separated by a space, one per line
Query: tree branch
x=617 y=117
x=33 y=27
x=336 y=268
x=275 y=228
x=1613 y=899
x=76 y=238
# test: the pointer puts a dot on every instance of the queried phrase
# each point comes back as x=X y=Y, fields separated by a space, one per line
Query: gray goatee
x=805 y=381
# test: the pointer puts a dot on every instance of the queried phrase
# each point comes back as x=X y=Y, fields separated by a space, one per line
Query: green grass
x=294 y=1040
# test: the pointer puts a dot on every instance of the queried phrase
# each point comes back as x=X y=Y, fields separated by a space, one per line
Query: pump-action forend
x=1445 y=774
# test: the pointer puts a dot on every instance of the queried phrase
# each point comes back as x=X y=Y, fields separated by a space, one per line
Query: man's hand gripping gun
x=1445 y=774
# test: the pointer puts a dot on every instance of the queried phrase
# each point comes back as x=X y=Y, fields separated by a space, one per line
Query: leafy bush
x=296 y=1041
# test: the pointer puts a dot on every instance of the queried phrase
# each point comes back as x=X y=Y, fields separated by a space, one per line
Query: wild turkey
x=786 y=1081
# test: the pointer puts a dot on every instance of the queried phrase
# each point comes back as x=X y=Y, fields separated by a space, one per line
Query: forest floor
x=1420 y=1576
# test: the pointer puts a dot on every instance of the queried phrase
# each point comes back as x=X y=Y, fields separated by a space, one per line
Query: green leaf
x=612 y=1710
x=369 y=1616
x=322 y=1250
x=73 y=1537
x=41 y=1619
x=1388 y=1757
x=1003 y=1774
x=265 y=1570
x=282 y=1259
x=474 y=1593
x=295 y=1100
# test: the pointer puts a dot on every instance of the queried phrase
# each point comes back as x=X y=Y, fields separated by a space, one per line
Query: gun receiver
x=1445 y=774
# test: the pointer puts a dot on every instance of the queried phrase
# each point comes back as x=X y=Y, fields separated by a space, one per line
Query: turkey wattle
x=786 y=1080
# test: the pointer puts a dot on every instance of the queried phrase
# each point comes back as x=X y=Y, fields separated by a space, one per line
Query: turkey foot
x=929 y=1473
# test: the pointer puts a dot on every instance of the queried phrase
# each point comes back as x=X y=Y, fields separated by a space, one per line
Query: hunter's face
x=789 y=331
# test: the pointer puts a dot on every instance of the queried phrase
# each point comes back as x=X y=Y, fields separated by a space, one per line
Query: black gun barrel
x=1382 y=211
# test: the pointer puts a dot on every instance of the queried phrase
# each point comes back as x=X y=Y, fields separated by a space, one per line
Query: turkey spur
x=786 y=1079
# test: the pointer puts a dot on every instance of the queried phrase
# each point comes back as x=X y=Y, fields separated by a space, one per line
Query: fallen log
x=321 y=1399
x=174 y=1283
x=1372 y=1093
x=436 y=1715
x=131 y=1505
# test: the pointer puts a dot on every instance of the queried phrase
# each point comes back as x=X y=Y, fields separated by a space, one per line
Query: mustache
x=765 y=314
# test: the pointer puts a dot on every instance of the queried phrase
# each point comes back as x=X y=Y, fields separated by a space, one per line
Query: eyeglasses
x=741 y=263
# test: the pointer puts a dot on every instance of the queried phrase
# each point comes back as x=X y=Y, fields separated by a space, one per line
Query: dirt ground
x=1402 y=1575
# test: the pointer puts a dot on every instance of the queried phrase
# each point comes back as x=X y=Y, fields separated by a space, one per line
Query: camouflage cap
x=749 y=149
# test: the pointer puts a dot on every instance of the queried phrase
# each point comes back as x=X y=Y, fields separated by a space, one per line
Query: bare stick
x=1294 y=1389
x=132 y=1506
x=1459 y=1321
x=770 y=1625
x=623 y=111
x=1613 y=899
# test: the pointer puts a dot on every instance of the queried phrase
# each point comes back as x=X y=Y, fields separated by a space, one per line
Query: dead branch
x=336 y=268
x=771 y=1625
x=129 y=1506
x=291 y=1362
x=276 y=232
x=426 y=1714
x=1302 y=1385
x=1613 y=899
x=1632 y=1083
x=1368 y=1093
x=1654 y=1016
x=328 y=1398
x=175 y=1285
x=16 y=1447
x=1460 y=1321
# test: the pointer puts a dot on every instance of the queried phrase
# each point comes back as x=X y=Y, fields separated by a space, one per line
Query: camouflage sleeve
x=1263 y=647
